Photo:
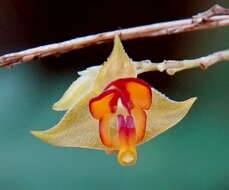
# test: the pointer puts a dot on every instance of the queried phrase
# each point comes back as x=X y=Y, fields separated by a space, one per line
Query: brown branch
x=174 y=66
x=215 y=17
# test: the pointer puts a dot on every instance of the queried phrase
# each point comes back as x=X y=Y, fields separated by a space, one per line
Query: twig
x=206 y=20
x=171 y=67
x=174 y=66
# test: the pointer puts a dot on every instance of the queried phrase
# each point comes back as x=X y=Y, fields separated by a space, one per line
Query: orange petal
x=104 y=130
x=140 y=123
x=140 y=93
x=104 y=104
x=136 y=91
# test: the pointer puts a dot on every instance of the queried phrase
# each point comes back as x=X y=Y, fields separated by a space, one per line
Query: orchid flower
x=109 y=108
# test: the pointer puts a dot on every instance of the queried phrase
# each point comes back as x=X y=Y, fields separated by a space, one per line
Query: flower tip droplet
x=127 y=157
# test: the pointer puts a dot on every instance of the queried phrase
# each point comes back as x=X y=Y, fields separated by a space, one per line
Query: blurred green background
x=194 y=155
